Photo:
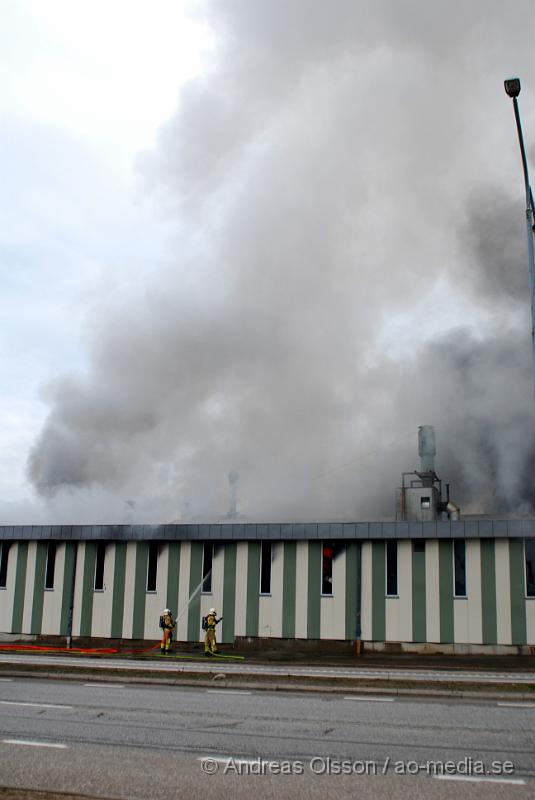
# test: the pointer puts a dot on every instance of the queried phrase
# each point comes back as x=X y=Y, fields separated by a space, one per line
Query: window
x=207 y=558
x=327 y=568
x=50 y=565
x=529 y=545
x=392 y=568
x=4 y=555
x=265 y=568
x=419 y=546
x=152 y=567
x=459 y=567
x=99 y=567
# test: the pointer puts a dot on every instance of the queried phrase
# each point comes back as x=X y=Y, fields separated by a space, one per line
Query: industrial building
x=430 y=580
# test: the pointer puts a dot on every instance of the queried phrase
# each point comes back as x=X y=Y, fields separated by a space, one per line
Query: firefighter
x=210 y=643
x=167 y=625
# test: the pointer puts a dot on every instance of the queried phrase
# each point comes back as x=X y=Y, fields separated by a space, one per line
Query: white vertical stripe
x=242 y=553
x=7 y=595
x=183 y=592
x=52 y=600
x=277 y=568
x=460 y=620
x=398 y=610
x=333 y=609
x=530 y=621
x=78 y=589
x=392 y=619
x=130 y=573
x=301 y=590
x=102 y=601
x=366 y=591
x=473 y=590
x=432 y=591
x=270 y=606
x=214 y=599
x=503 y=591
x=155 y=602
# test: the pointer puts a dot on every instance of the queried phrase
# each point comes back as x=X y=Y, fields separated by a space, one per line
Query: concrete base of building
x=303 y=645
x=17 y=637
x=438 y=648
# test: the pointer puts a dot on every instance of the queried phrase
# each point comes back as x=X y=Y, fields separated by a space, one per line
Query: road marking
x=33 y=705
x=35 y=744
x=5 y=680
x=517 y=705
x=105 y=685
x=226 y=691
x=475 y=779
x=370 y=699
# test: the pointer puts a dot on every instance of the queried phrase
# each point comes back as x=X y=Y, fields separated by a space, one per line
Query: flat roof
x=484 y=528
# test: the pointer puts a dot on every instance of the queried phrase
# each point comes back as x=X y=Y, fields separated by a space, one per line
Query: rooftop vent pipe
x=427 y=448
x=233 y=478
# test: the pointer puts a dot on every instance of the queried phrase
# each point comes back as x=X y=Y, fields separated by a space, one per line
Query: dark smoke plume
x=347 y=265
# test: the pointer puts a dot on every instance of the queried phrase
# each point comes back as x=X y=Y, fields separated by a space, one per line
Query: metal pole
x=529 y=225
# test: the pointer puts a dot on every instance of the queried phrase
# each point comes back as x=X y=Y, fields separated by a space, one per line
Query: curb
x=305 y=684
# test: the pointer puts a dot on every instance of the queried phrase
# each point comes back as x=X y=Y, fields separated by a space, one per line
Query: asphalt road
x=137 y=741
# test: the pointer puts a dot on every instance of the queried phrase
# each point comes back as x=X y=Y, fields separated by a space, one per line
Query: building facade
x=465 y=584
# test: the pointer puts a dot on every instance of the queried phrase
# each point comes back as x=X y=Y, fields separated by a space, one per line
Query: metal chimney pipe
x=427 y=447
x=233 y=500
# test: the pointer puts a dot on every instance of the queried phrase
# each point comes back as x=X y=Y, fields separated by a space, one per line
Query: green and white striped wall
x=495 y=610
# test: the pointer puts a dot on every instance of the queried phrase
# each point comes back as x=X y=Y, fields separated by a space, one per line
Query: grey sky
x=315 y=257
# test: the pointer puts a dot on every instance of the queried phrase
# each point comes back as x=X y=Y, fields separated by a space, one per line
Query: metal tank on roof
x=420 y=498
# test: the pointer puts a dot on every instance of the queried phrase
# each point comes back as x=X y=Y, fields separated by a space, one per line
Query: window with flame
x=327 y=557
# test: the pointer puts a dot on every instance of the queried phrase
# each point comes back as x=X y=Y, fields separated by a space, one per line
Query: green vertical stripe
x=518 y=601
x=352 y=590
x=445 y=582
x=288 y=590
x=173 y=571
x=70 y=549
x=38 y=588
x=195 y=577
x=314 y=591
x=88 y=582
x=20 y=587
x=229 y=592
x=140 y=590
x=378 y=592
x=419 y=599
x=117 y=603
x=488 y=592
x=253 y=589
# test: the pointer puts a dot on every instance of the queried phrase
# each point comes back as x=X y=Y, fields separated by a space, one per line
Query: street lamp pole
x=512 y=88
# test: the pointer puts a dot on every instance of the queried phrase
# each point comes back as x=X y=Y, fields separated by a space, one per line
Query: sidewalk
x=430 y=675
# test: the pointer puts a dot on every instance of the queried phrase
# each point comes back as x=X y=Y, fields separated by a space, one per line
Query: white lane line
x=517 y=705
x=105 y=685
x=226 y=691
x=473 y=779
x=6 y=680
x=370 y=699
x=35 y=744
x=32 y=705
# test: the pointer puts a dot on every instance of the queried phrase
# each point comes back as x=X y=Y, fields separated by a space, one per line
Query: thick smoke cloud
x=347 y=265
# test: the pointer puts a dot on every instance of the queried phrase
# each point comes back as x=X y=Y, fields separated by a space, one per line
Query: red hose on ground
x=85 y=650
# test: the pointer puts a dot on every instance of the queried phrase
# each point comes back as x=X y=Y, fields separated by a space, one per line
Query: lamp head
x=512 y=86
